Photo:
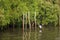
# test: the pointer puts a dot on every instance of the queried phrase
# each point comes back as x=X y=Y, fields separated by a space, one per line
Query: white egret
x=40 y=26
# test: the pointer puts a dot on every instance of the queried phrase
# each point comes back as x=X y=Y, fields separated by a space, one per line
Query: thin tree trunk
x=35 y=20
x=26 y=22
x=23 y=21
x=23 y=35
x=29 y=20
x=59 y=19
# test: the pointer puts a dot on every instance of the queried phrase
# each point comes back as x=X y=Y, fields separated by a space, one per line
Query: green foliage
x=12 y=10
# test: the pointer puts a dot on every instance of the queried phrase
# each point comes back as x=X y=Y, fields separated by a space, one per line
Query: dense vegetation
x=11 y=11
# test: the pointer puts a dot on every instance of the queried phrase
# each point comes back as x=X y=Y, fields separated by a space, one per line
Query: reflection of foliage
x=11 y=10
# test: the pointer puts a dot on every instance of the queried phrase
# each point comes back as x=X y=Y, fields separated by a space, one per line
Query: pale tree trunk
x=23 y=21
x=29 y=20
x=59 y=19
x=35 y=20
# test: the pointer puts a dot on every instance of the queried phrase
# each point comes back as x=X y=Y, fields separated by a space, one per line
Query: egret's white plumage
x=40 y=26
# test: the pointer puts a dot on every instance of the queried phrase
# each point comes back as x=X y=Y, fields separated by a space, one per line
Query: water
x=18 y=34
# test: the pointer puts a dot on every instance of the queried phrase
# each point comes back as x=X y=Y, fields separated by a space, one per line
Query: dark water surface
x=44 y=34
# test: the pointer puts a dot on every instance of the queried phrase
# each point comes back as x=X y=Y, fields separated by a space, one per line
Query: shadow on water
x=18 y=34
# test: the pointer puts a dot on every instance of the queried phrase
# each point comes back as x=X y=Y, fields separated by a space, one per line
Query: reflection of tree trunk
x=23 y=35
x=29 y=34
x=36 y=34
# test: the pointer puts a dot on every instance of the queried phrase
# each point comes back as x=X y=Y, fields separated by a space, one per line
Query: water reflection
x=31 y=35
x=46 y=34
x=40 y=30
x=49 y=34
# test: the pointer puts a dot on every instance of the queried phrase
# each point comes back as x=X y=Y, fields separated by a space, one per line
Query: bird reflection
x=40 y=30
